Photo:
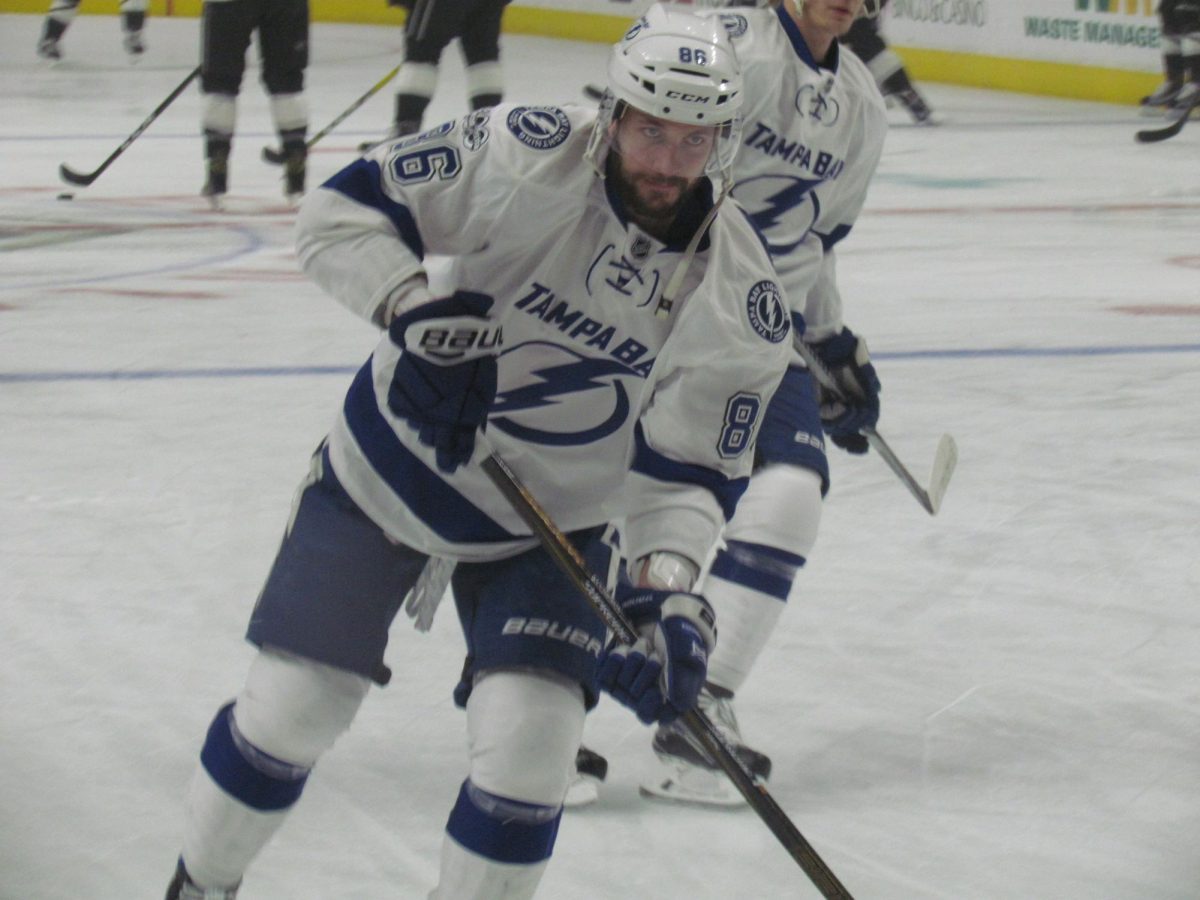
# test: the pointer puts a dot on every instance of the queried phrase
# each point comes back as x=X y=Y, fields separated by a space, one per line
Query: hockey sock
x=238 y=799
x=494 y=848
x=485 y=84
x=766 y=543
x=414 y=89
x=133 y=22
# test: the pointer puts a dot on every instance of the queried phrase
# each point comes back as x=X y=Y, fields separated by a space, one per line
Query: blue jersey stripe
x=651 y=463
x=361 y=181
x=443 y=509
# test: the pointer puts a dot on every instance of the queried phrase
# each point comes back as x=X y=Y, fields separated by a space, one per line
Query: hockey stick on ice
x=83 y=179
x=569 y=560
x=1154 y=135
x=276 y=157
x=944 y=460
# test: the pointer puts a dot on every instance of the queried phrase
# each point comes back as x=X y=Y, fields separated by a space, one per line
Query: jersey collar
x=801 y=47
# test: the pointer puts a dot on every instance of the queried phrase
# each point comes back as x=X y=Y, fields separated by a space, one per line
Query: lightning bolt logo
x=557 y=384
x=767 y=208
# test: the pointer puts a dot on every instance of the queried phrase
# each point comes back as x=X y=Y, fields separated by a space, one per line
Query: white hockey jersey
x=811 y=140
x=604 y=409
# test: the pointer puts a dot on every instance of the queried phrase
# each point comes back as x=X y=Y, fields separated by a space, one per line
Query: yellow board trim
x=999 y=73
x=1027 y=76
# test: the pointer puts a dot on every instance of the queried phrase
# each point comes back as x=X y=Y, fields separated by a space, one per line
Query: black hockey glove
x=660 y=675
x=855 y=406
x=445 y=380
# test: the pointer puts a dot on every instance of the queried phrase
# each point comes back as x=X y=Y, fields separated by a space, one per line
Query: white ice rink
x=999 y=703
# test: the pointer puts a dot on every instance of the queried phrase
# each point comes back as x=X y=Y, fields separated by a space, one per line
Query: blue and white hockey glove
x=844 y=417
x=659 y=676
x=445 y=380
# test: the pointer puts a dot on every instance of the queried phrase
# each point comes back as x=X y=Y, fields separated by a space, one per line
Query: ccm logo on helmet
x=688 y=98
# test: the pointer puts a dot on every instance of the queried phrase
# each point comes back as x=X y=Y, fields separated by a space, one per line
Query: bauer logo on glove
x=446 y=341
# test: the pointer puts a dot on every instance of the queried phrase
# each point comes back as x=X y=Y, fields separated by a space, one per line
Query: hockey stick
x=83 y=179
x=572 y=564
x=593 y=93
x=276 y=156
x=944 y=460
x=1154 y=135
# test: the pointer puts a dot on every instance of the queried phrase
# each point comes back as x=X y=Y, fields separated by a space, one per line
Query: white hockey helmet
x=678 y=66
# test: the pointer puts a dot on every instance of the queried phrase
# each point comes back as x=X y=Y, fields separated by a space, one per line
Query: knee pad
x=295 y=709
x=523 y=730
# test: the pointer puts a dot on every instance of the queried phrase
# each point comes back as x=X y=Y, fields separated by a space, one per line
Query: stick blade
x=273 y=156
x=70 y=176
x=1154 y=135
x=945 y=460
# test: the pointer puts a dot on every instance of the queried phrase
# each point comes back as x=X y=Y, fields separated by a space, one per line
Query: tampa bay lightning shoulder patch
x=768 y=316
x=539 y=127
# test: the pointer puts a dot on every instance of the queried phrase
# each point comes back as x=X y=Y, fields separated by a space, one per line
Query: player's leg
x=480 y=41
x=748 y=584
x=887 y=68
x=62 y=12
x=133 y=20
x=283 y=41
x=321 y=624
x=532 y=645
x=1187 y=22
x=224 y=38
x=431 y=25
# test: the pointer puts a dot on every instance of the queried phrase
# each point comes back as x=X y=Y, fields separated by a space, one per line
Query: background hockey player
x=133 y=20
x=226 y=29
x=814 y=126
x=866 y=40
x=430 y=27
x=1180 y=32
x=564 y=226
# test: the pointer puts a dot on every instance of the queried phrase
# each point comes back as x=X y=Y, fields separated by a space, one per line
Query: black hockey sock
x=896 y=83
x=410 y=108
x=1175 y=67
x=133 y=22
x=53 y=30
x=482 y=101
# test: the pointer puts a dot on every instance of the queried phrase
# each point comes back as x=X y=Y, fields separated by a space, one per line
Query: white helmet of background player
x=678 y=66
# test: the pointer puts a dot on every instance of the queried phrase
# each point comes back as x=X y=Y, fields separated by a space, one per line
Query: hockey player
x=612 y=398
x=226 y=29
x=814 y=126
x=1180 y=27
x=133 y=20
x=430 y=27
x=887 y=68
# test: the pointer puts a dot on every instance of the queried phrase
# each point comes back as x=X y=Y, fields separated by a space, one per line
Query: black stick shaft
x=568 y=558
x=83 y=179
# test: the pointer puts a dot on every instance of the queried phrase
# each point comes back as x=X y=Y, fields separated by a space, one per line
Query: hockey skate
x=49 y=51
x=183 y=888
x=216 y=186
x=1162 y=98
x=132 y=42
x=690 y=775
x=295 y=165
x=590 y=769
x=916 y=106
x=1184 y=101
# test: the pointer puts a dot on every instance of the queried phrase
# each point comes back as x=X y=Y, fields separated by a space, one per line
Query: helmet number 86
x=693 y=56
